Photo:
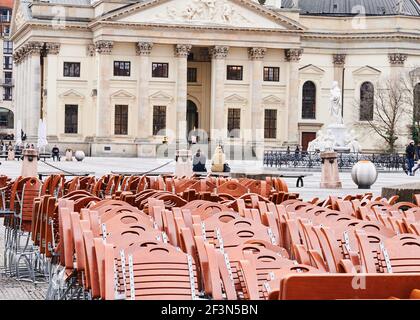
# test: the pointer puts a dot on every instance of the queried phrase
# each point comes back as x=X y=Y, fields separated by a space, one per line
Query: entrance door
x=192 y=117
x=306 y=138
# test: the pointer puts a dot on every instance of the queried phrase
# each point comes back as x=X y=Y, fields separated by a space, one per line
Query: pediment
x=122 y=94
x=20 y=15
x=208 y=13
x=72 y=94
x=272 y=99
x=160 y=95
x=366 y=71
x=311 y=69
x=235 y=99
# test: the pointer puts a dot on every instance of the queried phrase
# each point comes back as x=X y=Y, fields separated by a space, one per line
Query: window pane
x=71 y=69
x=160 y=70
x=71 y=119
x=6 y=118
x=159 y=120
x=234 y=72
x=270 y=124
x=271 y=74
x=192 y=75
x=366 y=101
x=234 y=122
x=122 y=68
x=309 y=100
x=121 y=119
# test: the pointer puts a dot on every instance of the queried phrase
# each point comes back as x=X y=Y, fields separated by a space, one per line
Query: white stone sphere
x=79 y=155
x=364 y=174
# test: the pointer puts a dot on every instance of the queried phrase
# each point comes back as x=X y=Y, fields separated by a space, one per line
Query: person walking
x=410 y=153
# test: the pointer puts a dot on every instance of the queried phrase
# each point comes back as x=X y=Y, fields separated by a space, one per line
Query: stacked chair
x=166 y=237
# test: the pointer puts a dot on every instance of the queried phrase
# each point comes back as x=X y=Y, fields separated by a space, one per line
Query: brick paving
x=12 y=289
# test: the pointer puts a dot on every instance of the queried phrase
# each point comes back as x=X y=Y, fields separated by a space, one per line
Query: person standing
x=410 y=152
x=199 y=162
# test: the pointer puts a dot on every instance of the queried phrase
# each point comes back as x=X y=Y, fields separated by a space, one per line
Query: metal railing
x=312 y=160
x=8 y=82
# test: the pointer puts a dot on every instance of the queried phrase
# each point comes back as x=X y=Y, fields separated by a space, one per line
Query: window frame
x=159 y=119
x=122 y=70
x=311 y=114
x=193 y=73
x=121 y=119
x=72 y=122
x=270 y=130
x=164 y=73
x=273 y=79
x=75 y=74
x=229 y=71
x=234 y=122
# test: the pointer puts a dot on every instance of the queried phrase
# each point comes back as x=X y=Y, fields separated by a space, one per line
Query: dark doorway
x=306 y=138
x=192 y=116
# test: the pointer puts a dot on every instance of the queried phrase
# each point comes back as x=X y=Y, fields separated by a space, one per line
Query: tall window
x=7 y=62
x=160 y=70
x=7 y=47
x=7 y=93
x=272 y=74
x=159 y=119
x=270 y=124
x=234 y=72
x=417 y=102
x=192 y=75
x=309 y=100
x=6 y=118
x=121 y=119
x=70 y=118
x=8 y=78
x=71 y=69
x=234 y=122
x=122 y=68
x=367 y=92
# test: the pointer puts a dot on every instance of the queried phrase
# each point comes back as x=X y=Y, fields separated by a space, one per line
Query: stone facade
x=205 y=36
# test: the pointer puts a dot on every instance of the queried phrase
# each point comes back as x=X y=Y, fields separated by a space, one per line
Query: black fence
x=312 y=160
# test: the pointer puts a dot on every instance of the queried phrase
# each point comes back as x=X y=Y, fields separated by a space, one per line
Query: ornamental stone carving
x=293 y=55
x=397 y=58
x=257 y=53
x=219 y=52
x=52 y=47
x=34 y=47
x=90 y=50
x=182 y=50
x=104 y=46
x=144 y=48
x=339 y=59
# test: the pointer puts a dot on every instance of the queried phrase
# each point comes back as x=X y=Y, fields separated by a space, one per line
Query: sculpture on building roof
x=335 y=106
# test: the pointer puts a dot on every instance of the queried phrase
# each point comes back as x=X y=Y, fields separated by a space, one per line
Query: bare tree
x=382 y=108
x=412 y=87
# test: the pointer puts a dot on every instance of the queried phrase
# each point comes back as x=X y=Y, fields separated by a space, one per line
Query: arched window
x=367 y=92
x=417 y=102
x=6 y=119
x=309 y=100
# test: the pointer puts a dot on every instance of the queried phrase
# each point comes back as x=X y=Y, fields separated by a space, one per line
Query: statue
x=318 y=143
x=352 y=142
x=329 y=140
x=335 y=107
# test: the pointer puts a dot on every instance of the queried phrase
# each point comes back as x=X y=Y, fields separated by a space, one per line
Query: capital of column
x=397 y=58
x=293 y=55
x=52 y=47
x=34 y=47
x=257 y=53
x=339 y=59
x=104 y=46
x=182 y=50
x=219 y=52
x=144 y=48
x=18 y=55
x=90 y=50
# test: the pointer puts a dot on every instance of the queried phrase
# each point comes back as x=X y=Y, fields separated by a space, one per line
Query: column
x=293 y=57
x=104 y=73
x=50 y=102
x=339 y=61
x=181 y=53
x=144 y=123
x=218 y=128
x=256 y=55
x=17 y=58
x=34 y=112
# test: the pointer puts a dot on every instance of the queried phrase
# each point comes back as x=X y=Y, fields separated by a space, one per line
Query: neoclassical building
x=114 y=77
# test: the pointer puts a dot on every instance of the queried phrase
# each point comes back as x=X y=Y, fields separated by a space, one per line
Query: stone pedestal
x=30 y=163
x=330 y=178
